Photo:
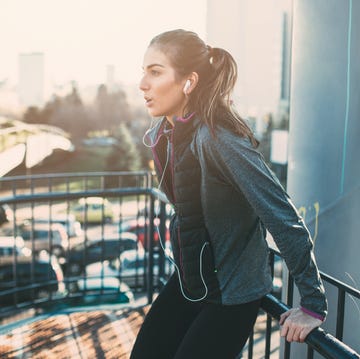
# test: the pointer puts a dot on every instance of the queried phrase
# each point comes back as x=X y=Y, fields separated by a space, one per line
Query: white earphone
x=187 y=86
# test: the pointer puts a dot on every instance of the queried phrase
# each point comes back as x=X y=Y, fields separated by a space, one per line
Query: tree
x=111 y=108
x=71 y=115
x=74 y=99
x=32 y=115
x=124 y=156
x=137 y=127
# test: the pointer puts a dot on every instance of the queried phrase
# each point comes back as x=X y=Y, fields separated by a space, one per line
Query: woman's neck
x=170 y=119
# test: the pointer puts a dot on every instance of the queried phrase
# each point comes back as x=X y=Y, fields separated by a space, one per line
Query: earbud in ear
x=187 y=86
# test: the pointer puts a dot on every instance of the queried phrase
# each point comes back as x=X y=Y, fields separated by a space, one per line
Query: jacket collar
x=182 y=128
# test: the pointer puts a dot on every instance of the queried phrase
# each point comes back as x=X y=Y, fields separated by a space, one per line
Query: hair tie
x=211 y=53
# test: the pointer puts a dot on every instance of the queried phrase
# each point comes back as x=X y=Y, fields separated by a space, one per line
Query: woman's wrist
x=313 y=314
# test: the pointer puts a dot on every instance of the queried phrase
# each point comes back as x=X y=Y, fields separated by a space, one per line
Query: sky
x=79 y=38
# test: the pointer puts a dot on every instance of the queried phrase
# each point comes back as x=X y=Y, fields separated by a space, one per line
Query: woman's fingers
x=284 y=316
x=296 y=325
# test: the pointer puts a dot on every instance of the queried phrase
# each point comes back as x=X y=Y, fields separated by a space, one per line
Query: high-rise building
x=31 y=79
x=256 y=33
x=284 y=101
x=110 y=77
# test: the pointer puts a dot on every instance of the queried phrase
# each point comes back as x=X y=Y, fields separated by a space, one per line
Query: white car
x=10 y=245
x=106 y=290
x=129 y=268
x=72 y=226
x=93 y=210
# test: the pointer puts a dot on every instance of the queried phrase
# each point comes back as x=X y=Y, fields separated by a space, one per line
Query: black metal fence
x=137 y=211
x=327 y=345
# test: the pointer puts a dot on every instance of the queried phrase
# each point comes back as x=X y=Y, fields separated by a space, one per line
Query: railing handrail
x=321 y=341
x=61 y=195
x=341 y=285
x=328 y=278
x=73 y=175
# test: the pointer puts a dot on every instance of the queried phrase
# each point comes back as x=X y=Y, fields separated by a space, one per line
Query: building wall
x=252 y=31
x=31 y=79
x=324 y=169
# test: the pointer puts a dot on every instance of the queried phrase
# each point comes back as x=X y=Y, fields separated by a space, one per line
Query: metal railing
x=151 y=205
x=25 y=196
x=327 y=345
x=318 y=340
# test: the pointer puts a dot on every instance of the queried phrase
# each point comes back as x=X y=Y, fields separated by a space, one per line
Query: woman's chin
x=154 y=113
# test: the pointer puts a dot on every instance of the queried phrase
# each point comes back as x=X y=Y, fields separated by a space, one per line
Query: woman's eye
x=155 y=72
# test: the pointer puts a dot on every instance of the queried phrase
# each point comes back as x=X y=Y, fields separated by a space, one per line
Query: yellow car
x=93 y=210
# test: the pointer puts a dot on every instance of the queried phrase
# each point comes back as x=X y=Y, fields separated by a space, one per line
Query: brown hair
x=217 y=72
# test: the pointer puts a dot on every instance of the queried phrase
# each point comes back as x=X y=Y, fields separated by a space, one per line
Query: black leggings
x=180 y=329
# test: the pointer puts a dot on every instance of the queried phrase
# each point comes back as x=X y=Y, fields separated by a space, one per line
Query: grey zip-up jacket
x=240 y=198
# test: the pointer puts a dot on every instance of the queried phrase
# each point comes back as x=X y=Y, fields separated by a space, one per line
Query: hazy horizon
x=80 y=38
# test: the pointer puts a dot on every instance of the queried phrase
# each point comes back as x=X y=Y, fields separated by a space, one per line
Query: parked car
x=39 y=236
x=140 y=226
x=96 y=250
x=6 y=214
x=45 y=274
x=10 y=247
x=93 y=210
x=129 y=268
x=107 y=290
x=144 y=210
x=72 y=226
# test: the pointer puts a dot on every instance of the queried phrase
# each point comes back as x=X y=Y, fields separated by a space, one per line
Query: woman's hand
x=296 y=325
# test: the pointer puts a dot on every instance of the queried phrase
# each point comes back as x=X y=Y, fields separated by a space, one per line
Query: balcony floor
x=102 y=333
x=80 y=334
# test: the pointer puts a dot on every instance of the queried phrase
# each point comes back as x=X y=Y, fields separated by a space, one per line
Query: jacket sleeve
x=240 y=165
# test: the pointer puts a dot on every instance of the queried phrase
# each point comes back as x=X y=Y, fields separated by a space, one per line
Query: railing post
x=289 y=302
x=310 y=353
x=251 y=345
x=162 y=240
x=150 y=251
x=268 y=317
x=340 y=314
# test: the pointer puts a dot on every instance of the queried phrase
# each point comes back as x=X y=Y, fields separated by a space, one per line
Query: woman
x=224 y=197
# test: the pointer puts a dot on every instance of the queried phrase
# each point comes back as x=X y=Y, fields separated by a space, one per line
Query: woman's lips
x=148 y=102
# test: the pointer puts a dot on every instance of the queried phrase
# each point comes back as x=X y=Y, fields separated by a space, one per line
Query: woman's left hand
x=296 y=325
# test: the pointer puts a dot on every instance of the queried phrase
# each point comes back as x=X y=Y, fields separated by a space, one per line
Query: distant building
x=31 y=79
x=110 y=78
x=257 y=34
x=285 y=64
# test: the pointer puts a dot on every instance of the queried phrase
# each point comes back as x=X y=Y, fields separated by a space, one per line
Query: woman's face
x=163 y=91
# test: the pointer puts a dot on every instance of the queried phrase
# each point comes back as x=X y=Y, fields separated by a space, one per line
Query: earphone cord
x=147 y=132
x=168 y=257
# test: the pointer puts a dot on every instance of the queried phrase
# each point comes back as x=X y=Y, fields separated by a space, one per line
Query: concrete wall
x=251 y=30
x=324 y=146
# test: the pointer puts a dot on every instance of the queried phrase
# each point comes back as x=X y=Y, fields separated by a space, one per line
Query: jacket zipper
x=172 y=171
x=170 y=158
x=162 y=169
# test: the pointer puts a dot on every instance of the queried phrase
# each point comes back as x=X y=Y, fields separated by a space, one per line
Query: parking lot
x=68 y=238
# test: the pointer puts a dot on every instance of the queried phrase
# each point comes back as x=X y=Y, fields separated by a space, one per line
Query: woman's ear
x=191 y=82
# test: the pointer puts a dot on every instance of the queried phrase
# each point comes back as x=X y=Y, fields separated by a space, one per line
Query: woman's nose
x=143 y=84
